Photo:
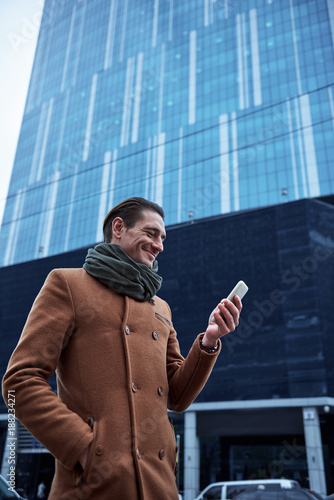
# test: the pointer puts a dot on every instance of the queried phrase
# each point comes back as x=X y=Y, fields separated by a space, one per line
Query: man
x=41 y=490
x=111 y=341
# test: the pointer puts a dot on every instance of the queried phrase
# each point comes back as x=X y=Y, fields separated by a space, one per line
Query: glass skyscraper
x=204 y=106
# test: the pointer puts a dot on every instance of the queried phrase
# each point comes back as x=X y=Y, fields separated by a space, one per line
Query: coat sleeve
x=48 y=329
x=187 y=376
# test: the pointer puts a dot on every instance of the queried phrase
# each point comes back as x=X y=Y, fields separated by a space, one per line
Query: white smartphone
x=240 y=289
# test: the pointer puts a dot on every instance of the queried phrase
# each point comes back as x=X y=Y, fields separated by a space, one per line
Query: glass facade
x=205 y=106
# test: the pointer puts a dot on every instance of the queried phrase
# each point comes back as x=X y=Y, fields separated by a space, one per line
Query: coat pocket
x=175 y=448
x=80 y=474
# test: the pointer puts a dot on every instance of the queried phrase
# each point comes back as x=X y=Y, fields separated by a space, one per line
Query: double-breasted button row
x=128 y=331
x=134 y=389
x=161 y=454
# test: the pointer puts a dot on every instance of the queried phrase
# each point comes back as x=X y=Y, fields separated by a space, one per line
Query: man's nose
x=158 y=244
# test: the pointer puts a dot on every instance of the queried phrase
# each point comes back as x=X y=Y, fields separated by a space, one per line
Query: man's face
x=144 y=241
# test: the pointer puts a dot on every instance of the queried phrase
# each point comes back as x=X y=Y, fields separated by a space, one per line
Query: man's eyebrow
x=156 y=230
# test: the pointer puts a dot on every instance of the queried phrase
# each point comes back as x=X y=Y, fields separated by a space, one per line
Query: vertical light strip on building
x=226 y=8
x=155 y=23
x=62 y=5
x=68 y=48
x=295 y=48
x=170 y=21
x=154 y=167
x=14 y=228
x=17 y=225
x=127 y=102
x=45 y=140
x=235 y=162
x=61 y=135
x=244 y=53
x=38 y=143
x=211 y=11
x=330 y=7
x=39 y=249
x=206 y=12
x=310 y=155
x=160 y=169
x=113 y=178
x=50 y=212
x=225 y=197
x=301 y=150
x=179 y=176
x=125 y=15
x=330 y=98
x=192 y=78
x=35 y=71
x=161 y=86
x=240 y=64
x=148 y=164
x=41 y=76
x=104 y=194
x=293 y=153
x=49 y=9
x=137 y=98
x=90 y=118
x=110 y=35
x=257 y=89
x=78 y=41
x=71 y=204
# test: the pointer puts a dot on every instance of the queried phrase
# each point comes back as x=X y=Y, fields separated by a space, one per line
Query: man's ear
x=118 y=227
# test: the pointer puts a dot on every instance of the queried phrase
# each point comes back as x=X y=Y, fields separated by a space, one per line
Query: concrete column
x=191 y=457
x=314 y=454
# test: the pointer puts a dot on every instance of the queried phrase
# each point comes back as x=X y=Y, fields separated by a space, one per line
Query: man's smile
x=150 y=253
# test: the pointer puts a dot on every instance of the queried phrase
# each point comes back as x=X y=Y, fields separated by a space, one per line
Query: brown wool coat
x=118 y=368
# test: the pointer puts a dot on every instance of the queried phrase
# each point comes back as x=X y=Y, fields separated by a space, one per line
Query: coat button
x=127 y=330
x=133 y=387
x=155 y=335
x=138 y=453
x=99 y=450
x=160 y=391
x=161 y=454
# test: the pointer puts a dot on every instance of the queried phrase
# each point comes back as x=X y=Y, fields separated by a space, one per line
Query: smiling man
x=112 y=343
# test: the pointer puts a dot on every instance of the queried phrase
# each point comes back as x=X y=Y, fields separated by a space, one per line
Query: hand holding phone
x=240 y=289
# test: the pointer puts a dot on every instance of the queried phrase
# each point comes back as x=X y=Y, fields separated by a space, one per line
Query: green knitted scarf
x=108 y=263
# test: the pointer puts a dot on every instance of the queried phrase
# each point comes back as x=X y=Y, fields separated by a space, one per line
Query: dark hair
x=130 y=210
